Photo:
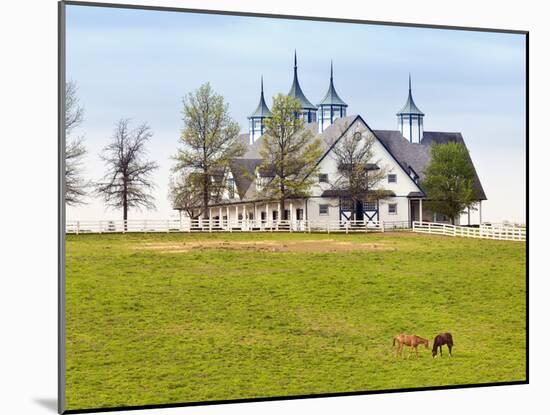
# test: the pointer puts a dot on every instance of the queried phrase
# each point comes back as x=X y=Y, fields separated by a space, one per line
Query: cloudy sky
x=139 y=64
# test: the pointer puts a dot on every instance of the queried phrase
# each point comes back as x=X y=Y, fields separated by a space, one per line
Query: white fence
x=494 y=231
x=220 y=225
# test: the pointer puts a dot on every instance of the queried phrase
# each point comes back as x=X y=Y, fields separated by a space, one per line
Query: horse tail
x=393 y=344
x=451 y=339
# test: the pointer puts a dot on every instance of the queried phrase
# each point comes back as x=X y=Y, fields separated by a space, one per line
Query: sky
x=138 y=64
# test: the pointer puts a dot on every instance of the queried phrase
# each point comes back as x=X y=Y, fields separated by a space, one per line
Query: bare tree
x=186 y=193
x=127 y=182
x=359 y=174
x=75 y=184
x=210 y=140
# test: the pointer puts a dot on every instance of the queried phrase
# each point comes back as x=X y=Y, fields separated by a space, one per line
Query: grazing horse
x=439 y=341
x=409 y=340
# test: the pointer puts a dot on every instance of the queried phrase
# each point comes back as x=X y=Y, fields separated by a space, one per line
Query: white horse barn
x=403 y=154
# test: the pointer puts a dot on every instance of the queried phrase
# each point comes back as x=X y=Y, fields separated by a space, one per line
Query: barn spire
x=257 y=118
x=309 y=110
x=331 y=106
x=410 y=119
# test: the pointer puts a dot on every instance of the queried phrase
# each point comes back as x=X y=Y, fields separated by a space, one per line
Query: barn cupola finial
x=410 y=119
x=331 y=106
x=257 y=118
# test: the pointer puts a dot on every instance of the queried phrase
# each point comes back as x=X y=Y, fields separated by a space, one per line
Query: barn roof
x=413 y=157
x=418 y=156
x=244 y=172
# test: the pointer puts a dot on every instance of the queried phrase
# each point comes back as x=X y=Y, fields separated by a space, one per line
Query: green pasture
x=174 y=318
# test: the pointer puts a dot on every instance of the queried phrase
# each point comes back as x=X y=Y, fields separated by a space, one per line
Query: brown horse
x=409 y=340
x=439 y=341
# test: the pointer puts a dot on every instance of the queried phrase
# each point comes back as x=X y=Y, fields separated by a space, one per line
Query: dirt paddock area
x=319 y=245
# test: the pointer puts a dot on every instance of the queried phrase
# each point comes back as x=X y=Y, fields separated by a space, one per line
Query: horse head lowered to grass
x=409 y=340
x=439 y=341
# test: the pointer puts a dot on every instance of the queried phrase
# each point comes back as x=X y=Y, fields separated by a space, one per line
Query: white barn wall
x=401 y=188
x=313 y=209
x=402 y=214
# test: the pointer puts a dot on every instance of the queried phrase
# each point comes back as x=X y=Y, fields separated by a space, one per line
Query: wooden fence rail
x=221 y=225
x=498 y=232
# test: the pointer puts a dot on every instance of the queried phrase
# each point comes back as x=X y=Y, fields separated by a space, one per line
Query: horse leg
x=416 y=350
x=441 y=350
x=450 y=350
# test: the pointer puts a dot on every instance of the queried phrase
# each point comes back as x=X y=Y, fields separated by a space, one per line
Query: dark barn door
x=415 y=211
x=359 y=210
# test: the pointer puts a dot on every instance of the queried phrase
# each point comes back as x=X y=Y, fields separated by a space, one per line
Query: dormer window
x=392 y=178
x=231 y=188
x=413 y=175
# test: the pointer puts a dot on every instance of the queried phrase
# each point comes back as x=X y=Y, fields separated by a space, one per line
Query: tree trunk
x=206 y=191
x=125 y=207
x=282 y=199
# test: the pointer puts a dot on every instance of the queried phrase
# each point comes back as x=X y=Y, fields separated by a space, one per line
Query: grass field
x=161 y=318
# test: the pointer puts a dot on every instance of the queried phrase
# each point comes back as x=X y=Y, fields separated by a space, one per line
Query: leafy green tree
x=210 y=139
x=449 y=180
x=289 y=152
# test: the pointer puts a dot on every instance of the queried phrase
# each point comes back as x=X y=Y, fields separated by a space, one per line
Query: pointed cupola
x=410 y=119
x=308 y=109
x=331 y=106
x=257 y=118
